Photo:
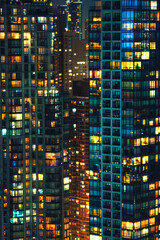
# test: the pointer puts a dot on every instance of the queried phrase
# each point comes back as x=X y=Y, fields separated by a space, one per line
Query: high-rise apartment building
x=79 y=161
x=74 y=13
x=95 y=120
x=34 y=176
x=75 y=61
x=130 y=120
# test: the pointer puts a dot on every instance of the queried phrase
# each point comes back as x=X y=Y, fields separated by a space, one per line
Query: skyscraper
x=75 y=60
x=74 y=12
x=79 y=161
x=95 y=120
x=34 y=176
x=130 y=119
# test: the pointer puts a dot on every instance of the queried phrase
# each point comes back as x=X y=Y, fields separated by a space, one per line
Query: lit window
x=145 y=55
x=152 y=45
x=145 y=160
x=153 y=5
x=2 y=35
x=152 y=93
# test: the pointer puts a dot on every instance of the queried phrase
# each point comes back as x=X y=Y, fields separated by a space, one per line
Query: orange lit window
x=25 y=19
x=152 y=26
x=32 y=59
x=1 y=27
x=25 y=50
x=152 y=84
x=2 y=59
x=14 y=35
x=1 y=19
x=14 y=59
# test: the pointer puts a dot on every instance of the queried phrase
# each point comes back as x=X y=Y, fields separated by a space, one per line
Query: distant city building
x=75 y=61
x=95 y=120
x=74 y=12
x=79 y=161
x=34 y=178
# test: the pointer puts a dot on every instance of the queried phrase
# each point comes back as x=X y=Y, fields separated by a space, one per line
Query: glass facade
x=130 y=119
x=95 y=122
x=34 y=175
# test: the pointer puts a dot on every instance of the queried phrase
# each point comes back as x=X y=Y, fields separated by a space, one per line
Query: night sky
x=85 y=6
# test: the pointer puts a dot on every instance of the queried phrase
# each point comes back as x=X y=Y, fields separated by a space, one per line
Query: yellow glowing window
x=42 y=19
x=95 y=45
x=14 y=11
x=25 y=19
x=145 y=55
x=151 y=123
x=137 y=142
x=152 y=212
x=145 y=160
x=40 y=93
x=152 y=140
x=95 y=139
x=137 y=45
x=26 y=43
x=152 y=26
x=14 y=35
x=151 y=186
x=34 y=176
x=115 y=65
x=15 y=27
x=137 y=225
x=157 y=130
x=153 y=5
x=127 y=65
x=40 y=176
x=27 y=35
x=137 y=65
x=16 y=83
x=127 y=26
x=152 y=221
x=95 y=74
x=152 y=84
x=128 y=55
x=137 y=55
x=93 y=83
x=126 y=234
x=2 y=35
x=145 y=178
x=152 y=45
x=66 y=180
x=152 y=93
x=126 y=179
x=137 y=160
x=1 y=11
x=144 y=141
x=96 y=19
